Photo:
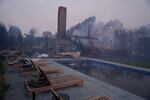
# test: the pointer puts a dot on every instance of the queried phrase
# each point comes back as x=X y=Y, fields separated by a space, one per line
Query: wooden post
x=33 y=96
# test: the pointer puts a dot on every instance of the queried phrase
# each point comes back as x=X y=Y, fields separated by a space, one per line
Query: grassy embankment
x=2 y=80
x=129 y=61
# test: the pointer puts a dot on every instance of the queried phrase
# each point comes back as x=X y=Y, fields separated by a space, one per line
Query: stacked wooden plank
x=27 y=68
x=54 y=83
x=102 y=98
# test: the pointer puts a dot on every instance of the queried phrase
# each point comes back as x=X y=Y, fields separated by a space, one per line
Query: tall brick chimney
x=61 y=30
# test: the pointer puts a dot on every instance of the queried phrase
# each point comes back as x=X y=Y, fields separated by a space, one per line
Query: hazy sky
x=42 y=14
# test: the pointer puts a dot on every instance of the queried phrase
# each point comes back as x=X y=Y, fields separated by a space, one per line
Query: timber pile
x=53 y=83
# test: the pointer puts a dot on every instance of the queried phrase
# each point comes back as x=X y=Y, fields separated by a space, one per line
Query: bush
x=3 y=85
x=2 y=69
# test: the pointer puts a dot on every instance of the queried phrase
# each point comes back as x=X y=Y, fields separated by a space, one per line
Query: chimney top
x=62 y=7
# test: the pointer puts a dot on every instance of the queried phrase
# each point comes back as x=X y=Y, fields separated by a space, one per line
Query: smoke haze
x=42 y=14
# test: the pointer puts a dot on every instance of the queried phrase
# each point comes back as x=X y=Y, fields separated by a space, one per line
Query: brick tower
x=61 y=29
x=61 y=42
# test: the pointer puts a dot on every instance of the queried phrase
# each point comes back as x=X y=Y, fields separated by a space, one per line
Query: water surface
x=131 y=81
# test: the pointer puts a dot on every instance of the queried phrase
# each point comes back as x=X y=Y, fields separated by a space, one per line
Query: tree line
x=14 y=39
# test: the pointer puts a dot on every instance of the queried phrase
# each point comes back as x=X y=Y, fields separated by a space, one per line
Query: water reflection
x=136 y=83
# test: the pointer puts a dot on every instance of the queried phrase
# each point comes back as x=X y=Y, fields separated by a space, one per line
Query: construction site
x=69 y=67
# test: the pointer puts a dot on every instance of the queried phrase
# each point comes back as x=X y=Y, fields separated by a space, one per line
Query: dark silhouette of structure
x=61 y=30
x=61 y=43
